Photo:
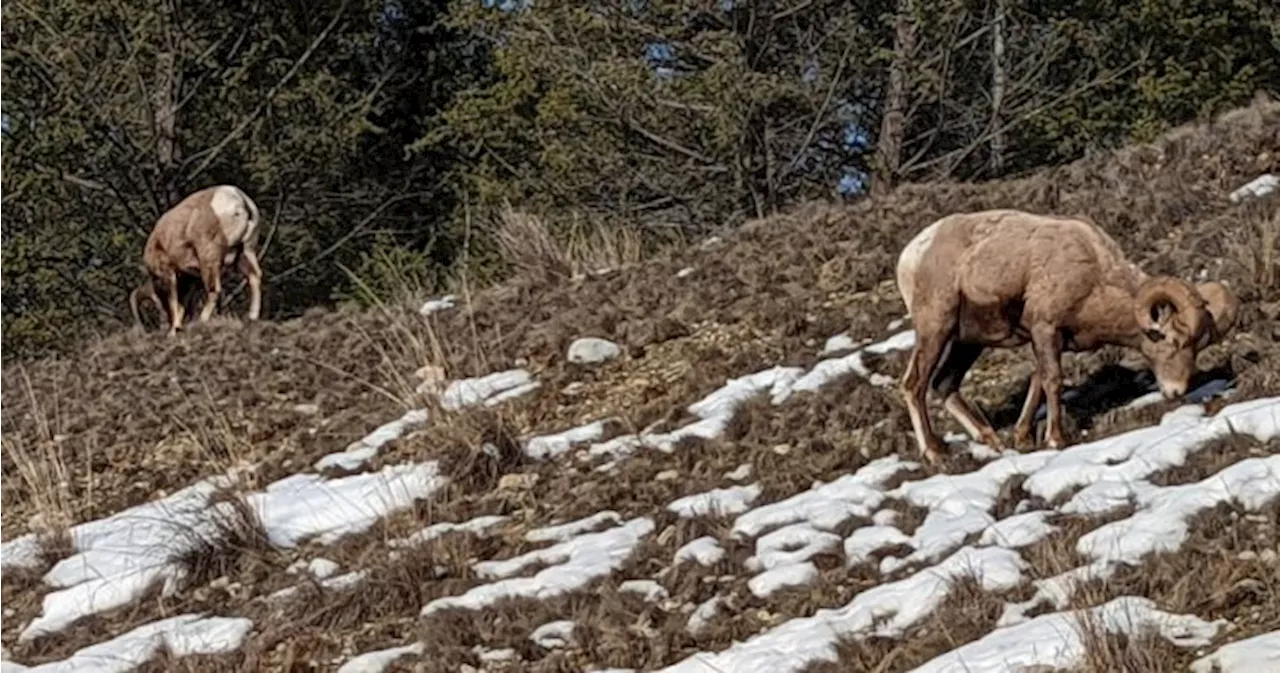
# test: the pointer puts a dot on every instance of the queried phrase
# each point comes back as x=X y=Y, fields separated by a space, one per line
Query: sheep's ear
x=1223 y=305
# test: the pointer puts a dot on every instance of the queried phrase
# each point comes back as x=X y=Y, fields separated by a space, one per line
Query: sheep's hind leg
x=211 y=275
x=1024 y=430
x=951 y=372
x=253 y=273
x=915 y=387
x=168 y=285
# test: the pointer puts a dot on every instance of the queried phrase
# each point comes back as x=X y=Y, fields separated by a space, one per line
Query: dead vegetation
x=132 y=418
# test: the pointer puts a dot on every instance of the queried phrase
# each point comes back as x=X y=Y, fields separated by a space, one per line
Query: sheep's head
x=1177 y=321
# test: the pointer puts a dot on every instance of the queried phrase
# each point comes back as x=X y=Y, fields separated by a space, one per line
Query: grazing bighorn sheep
x=1002 y=278
x=213 y=227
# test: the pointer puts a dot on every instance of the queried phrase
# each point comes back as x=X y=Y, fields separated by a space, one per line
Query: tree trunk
x=998 y=83
x=893 y=124
x=165 y=111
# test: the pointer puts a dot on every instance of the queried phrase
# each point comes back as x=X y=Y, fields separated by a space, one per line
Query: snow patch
x=364 y=449
x=1259 y=653
x=488 y=390
x=704 y=551
x=553 y=634
x=575 y=563
x=716 y=502
x=1257 y=188
x=1055 y=641
x=650 y=590
x=827 y=506
x=553 y=446
x=782 y=577
x=790 y=545
x=565 y=531
x=378 y=661
x=479 y=526
x=886 y=610
x=436 y=305
x=180 y=636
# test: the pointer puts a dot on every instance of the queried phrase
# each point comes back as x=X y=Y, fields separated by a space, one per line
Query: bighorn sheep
x=213 y=227
x=1002 y=278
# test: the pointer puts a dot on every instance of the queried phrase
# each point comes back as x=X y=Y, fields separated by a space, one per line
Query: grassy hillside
x=136 y=417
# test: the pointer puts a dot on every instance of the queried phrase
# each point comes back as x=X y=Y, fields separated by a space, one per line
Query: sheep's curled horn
x=1205 y=311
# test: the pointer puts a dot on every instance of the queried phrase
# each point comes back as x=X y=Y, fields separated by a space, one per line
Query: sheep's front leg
x=914 y=388
x=211 y=275
x=951 y=372
x=1024 y=431
x=1046 y=341
x=249 y=267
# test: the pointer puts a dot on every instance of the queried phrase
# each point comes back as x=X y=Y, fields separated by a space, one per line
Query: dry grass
x=1107 y=652
x=966 y=614
x=154 y=415
x=531 y=248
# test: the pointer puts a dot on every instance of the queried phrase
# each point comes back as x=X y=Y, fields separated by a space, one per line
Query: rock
x=667 y=475
x=591 y=350
x=306 y=409
x=1268 y=556
x=782 y=449
x=520 y=481
x=1247 y=556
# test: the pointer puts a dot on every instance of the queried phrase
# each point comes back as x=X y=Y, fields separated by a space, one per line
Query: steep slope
x=698 y=520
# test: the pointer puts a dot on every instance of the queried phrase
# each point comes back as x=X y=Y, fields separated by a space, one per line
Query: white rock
x=591 y=350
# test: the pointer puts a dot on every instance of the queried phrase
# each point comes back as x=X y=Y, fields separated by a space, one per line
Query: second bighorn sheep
x=213 y=227
x=1003 y=278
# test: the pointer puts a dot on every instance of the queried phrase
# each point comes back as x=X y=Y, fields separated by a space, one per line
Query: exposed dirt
x=137 y=416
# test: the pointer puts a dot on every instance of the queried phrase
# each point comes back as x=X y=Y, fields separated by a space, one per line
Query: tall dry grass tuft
x=1256 y=247
x=408 y=342
x=532 y=249
x=235 y=534
x=45 y=476
x=1108 y=652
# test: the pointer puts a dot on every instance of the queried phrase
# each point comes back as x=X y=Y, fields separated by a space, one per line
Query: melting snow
x=489 y=389
x=826 y=506
x=553 y=446
x=565 y=531
x=704 y=551
x=363 y=450
x=703 y=615
x=436 y=305
x=649 y=589
x=575 y=562
x=886 y=610
x=790 y=545
x=122 y=556
x=376 y=662
x=306 y=506
x=478 y=526
x=715 y=411
x=770 y=581
x=553 y=634
x=1259 y=653
x=716 y=502
x=1261 y=186
x=180 y=636
x=1056 y=640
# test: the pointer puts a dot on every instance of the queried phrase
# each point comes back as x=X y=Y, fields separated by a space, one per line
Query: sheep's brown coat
x=1003 y=278
x=207 y=230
